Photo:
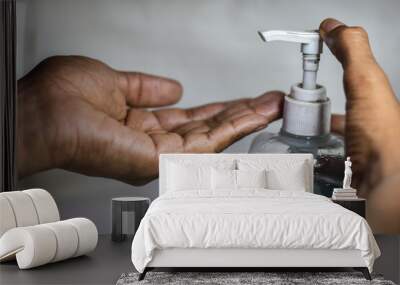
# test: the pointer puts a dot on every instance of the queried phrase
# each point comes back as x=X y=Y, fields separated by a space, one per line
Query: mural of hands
x=79 y=114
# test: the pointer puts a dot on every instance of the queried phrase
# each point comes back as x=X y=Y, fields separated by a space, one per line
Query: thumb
x=350 y=45
x=363 y=78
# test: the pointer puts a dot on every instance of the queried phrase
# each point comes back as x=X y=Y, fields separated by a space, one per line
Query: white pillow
x=282 y=174
x=227 y=179
x=223 y=179
x=251 y=178
x=294 y=180
x=188 y=177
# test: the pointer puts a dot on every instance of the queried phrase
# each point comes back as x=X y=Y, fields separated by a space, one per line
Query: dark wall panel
x=8 y=95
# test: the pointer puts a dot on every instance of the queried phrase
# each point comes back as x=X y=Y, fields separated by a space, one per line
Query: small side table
x=127 y=212
x=355 y=205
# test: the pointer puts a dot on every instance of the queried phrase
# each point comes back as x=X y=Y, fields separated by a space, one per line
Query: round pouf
x=127 y=212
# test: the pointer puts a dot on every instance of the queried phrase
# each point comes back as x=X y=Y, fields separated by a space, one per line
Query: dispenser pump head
x=307 y=108
x=311 y=47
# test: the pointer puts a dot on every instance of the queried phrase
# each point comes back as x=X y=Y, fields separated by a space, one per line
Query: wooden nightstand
x=355 y=205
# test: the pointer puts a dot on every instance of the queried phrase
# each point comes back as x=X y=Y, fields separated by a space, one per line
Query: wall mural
x=80 y=114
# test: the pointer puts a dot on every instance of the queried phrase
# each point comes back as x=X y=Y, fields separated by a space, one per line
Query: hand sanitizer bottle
x=306 y=118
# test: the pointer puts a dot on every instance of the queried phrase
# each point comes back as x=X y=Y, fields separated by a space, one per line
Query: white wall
x=210 y=46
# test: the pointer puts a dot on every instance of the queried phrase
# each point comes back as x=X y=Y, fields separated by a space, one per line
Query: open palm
x=79 y=114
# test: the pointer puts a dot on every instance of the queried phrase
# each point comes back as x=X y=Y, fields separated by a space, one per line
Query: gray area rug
x=231 y=278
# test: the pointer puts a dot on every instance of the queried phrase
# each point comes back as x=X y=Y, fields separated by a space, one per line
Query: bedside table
x=127 y=212
x=355 y=205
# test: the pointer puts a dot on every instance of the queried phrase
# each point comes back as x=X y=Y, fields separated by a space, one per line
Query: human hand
x=371 y=126
x=78 y=114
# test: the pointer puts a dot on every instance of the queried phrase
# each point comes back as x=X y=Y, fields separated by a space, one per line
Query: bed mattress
x=252 y=219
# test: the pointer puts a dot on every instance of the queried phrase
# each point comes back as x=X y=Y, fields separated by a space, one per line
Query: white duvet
x=250 y=219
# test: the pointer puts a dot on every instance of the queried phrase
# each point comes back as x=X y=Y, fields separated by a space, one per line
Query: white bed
x=197 y=224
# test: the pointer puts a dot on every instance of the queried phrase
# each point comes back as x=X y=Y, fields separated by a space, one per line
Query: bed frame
x=246 y=259
x=260 y=259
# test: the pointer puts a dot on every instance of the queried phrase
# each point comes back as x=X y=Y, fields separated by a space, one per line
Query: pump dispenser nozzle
x=311 y=47
x=307 y=109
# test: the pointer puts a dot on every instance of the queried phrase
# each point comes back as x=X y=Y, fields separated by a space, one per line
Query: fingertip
x=172 y=88
x=179 y=86
x=330 y=24
x=270 y=104
x=274 y=95
x=327 y=26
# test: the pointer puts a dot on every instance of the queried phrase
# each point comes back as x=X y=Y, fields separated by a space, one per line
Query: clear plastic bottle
x=306 y=118
x=328 y=151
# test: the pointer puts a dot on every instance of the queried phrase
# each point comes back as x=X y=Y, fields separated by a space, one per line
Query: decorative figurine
x=347 y=192
x=347 y=174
